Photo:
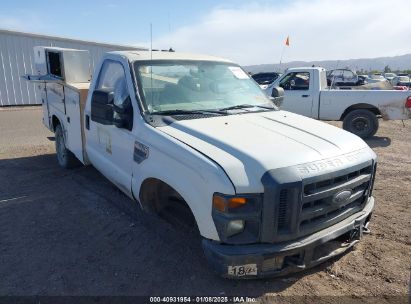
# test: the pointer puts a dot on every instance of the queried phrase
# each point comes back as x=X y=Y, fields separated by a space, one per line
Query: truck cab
x=307 y=93
x=301 y=89
x=271 y=192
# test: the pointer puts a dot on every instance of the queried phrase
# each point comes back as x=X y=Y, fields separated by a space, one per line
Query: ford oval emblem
x=341 y=196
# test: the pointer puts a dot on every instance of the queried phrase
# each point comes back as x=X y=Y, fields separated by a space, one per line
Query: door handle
x=87 y=122
x=305 y=95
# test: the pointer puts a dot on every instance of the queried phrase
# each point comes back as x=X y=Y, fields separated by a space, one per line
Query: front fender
x=194 y=176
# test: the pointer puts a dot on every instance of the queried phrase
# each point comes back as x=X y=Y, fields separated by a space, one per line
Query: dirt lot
x=71 y=232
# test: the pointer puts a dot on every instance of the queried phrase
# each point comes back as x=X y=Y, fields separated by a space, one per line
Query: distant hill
x=402 y=62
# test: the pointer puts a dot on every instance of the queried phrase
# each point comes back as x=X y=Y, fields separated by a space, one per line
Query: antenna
x=151 y=41
x=169 y=31
x=169 y=23
x=282 y=53
x=151 y=63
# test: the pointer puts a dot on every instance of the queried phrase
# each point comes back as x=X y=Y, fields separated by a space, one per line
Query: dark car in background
x=264 y=79
x=402 y=81
x=343 y=77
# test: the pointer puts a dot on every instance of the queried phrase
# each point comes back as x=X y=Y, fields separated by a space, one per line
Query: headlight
x=234 y=227
x=237 y=217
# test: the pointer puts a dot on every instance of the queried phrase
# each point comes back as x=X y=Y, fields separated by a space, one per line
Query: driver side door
x=298 y=97
x=109 y=145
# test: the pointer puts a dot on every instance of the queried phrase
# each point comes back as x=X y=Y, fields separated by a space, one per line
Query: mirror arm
x=118 y=109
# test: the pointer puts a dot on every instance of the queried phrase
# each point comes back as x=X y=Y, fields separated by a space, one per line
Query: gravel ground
x=71 y=232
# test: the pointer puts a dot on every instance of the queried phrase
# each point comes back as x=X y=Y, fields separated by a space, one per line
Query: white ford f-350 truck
x=271 y=192
x=306 y=93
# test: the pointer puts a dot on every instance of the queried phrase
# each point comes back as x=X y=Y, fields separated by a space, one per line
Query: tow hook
x=365 y=228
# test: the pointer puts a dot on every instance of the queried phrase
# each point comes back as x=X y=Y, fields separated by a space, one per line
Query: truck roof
x=164 y=55
x=306 y=68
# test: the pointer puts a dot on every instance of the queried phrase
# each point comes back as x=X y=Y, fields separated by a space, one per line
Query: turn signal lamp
x=222 y=203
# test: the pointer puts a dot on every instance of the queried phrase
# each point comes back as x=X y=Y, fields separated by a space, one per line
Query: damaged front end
x=271 y=260
x=307 y=214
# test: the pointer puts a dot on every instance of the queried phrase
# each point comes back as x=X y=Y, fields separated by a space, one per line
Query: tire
x=65 y=157
x=361 y=122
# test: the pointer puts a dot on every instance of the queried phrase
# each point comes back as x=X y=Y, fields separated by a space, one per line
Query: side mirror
x=102 y=106
x=277 y=96
x=123 y=115
x=277 y=92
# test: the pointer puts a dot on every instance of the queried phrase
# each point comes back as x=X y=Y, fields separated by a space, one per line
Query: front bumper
x=270 y=260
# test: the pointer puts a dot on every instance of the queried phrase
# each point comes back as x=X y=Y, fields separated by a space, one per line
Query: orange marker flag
x=287 y=41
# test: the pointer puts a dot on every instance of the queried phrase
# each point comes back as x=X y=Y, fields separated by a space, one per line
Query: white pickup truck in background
x=306 y=93
x=271 y=192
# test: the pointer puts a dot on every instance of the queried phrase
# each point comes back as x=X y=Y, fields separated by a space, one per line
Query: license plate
x=242 y=270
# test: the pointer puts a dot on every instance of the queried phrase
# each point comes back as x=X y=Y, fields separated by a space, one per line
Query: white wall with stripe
x=17 y=58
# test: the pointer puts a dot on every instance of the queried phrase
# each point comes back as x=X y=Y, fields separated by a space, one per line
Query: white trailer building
x=17 y=59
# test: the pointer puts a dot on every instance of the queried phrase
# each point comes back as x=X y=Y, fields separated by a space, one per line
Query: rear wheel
x=65 y=157
x=361 y=122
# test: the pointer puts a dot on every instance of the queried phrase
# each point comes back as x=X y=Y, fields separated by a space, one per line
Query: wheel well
x=359 y=106
x=54 y=122
x=155 y=194
x=159 y=197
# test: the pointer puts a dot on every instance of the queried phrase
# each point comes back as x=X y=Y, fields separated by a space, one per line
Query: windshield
x=196 y=85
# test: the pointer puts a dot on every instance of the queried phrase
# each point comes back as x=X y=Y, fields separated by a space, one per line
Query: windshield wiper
x=246 y=106
x=222 y=111
x=181 y=112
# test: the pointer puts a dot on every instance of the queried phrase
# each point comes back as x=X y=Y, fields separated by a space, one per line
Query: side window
x=113 y=78
x=348 y=75
x=337 y=74
x=296 y=81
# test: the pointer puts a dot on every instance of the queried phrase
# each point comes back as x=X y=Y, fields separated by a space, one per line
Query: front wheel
x=65 y=157
x=361 y=122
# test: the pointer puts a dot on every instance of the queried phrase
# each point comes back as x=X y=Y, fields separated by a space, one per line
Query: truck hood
x=247 y=145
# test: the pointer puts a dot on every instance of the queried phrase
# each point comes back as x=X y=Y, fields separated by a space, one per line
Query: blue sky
x=122 y=21
x=249 y=32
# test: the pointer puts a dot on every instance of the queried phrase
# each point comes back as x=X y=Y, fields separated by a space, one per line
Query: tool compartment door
x=55 y=97
x=42 y=98
x=72 y=123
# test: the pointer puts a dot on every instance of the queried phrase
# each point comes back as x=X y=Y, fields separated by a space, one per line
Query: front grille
x=319 y=206
x=314 y=187
x=312 y=205
x=282 y=210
